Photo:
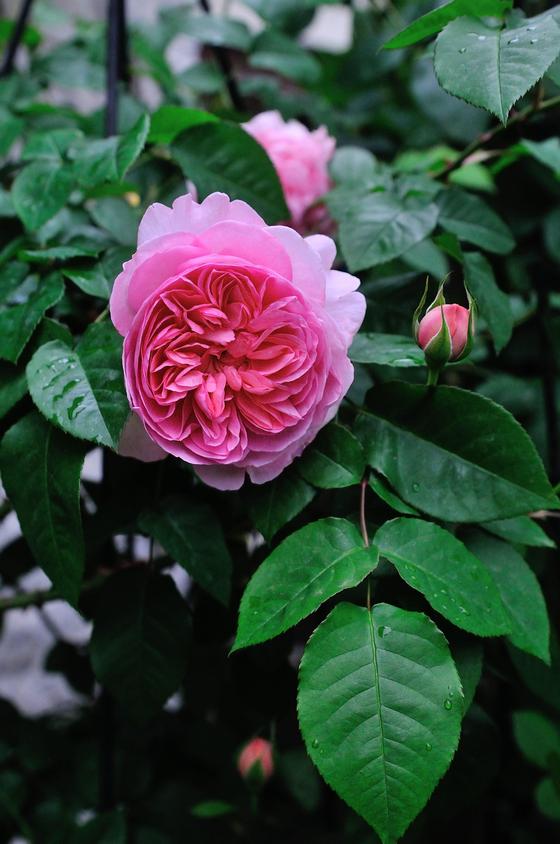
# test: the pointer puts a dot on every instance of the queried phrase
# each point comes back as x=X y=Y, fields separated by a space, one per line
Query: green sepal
x=470 y=336
x=419 y=309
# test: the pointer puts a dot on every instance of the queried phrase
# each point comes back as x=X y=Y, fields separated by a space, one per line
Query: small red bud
x=256 y=760
x=457 y=320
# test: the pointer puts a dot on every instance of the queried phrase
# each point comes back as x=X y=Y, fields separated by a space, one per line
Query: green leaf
x=12 y=127
x=276 y=503
x=114 y=215
x=468 y=217
x=536 y=736
x=453 y=581
x=140 y=640
x=493 y=68
x=492 y=303
x=170 y=120
x=52 y=144
x=380 y=226
x=189 y=533
x=108 y=159
x=380 y=707
x=355 y=166
x=224 y=157
x=521 y=530
x=98 y=281
x=310 y=566
x=379 y=485
x=541 y=679
x=40 y=190
x=548 y=799
x=217 y=31
x=546 y=152
x=426 y=257
x=469 y=657
x=280 y=54
x=435 y=20
x=82 y=390
x=453 y=454
x=521 y=594
x=22 y=309
x=334 y=460
x=41 y=473
x=386 y=350
x=56 y=253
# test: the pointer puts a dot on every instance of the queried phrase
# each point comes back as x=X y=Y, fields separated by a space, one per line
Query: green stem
x=433 y=376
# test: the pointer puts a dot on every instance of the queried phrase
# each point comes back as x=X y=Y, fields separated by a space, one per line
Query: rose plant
x=311 y=553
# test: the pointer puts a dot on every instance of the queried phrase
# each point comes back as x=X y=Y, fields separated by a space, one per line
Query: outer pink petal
x=221 y=477
x=135 y=442
x=346 y=307
x=187 y=215
x=308 y=274
x=256 y=245
x=325 y=247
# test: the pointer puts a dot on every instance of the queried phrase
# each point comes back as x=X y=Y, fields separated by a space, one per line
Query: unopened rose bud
x=457 y=320
x=445 y=332
x=255 y=760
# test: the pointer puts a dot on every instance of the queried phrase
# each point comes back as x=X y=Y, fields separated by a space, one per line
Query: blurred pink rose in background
x=236 y=339
x=300 y=157
x=457 y=321
x=256 y=758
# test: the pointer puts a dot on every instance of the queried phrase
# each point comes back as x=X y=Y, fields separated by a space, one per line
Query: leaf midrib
x=377 y=688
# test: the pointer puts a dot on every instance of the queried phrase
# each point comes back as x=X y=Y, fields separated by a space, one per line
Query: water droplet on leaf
x=428 y=746
x=462 y=49
x=447 y=704
x=384 y=631
x=315 y=743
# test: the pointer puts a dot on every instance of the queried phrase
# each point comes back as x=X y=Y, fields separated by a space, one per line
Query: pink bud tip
x=257 y=752
x=457 y=320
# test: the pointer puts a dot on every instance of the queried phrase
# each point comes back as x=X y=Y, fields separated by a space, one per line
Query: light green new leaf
x=311 y=565
x=380 y=226
x=492 y=304
x=224 y=157
x=82 y=390
x=334 y=460
x=386 y=350
x=40 y=190
x=435 y=20
x=453 y=581
x=492 y=68
x=521 y=594
x=41 y=473
x=380 y=706
x=453 y=454
x=140 y=640
x=468 y=217
x=188 y=531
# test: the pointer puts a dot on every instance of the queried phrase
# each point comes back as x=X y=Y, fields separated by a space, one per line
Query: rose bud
x=255 y=761
x=445 y=332
x=300 y=157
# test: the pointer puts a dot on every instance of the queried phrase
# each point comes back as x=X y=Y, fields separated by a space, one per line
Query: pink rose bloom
x=457 y=321
x=236 y=339
x=299 y=156
x=258 y=752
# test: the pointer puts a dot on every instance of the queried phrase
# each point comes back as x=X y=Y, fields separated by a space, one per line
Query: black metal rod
x=224 y=61
x=549 y=386
x=17 y=34
x=117 y=61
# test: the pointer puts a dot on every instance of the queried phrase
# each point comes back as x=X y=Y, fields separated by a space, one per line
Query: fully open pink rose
x=457 y=321
x=236 y=339
x=299 y=156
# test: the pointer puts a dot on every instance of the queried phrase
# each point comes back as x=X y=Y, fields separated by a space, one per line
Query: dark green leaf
x=281 y=54
x=21 y=311
x=41 y=472
x=435 y=20
x=313 y=564
x=98 y=281
x=521 y=530
x=452 y=453
x=493 y=68
x=223 y=157
x=276 y=503
x=521 y=594
x=379 y=485
x=140 y=641
x=170 y=120
x=536 y=736
x=40 y=190
x=492 y=303
x=334 y=460
x=386 y=350
x=108 y=159
x=56 y=253
x=108 y=828
x=189 y=533
x=469 y=218
x=380 y=708
x=453 y=580
x=82 y=390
